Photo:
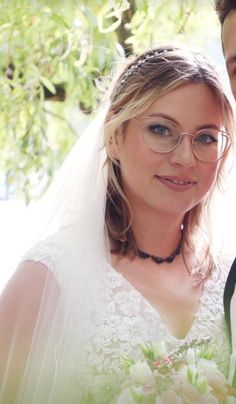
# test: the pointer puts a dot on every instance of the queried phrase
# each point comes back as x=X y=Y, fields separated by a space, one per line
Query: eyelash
x=156 y=128
x=211 y=137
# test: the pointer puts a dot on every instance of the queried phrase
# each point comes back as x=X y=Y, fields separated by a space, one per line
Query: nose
x=183 y=154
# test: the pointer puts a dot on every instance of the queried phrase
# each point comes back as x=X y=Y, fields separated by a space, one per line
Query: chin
x=175 y=208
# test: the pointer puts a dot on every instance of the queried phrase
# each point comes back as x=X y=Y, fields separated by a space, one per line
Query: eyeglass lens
x=162 y=136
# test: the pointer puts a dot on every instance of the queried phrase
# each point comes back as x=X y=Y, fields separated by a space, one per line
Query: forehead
x=188 y=96
x=191 y=105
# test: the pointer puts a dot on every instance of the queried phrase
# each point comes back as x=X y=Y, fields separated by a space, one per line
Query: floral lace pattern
x=131 y=320
x=128 y=319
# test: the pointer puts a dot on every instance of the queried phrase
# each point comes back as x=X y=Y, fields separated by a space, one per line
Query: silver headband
x=130 y=70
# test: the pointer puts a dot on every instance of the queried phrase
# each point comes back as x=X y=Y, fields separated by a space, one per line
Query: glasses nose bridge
x=190 y=148
x=182 y=135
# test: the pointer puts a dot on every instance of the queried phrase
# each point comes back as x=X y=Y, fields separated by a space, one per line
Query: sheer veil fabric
x=73 y=246
x=72 y=219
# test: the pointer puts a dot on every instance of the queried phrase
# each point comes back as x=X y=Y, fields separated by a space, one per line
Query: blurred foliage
x=52 y=55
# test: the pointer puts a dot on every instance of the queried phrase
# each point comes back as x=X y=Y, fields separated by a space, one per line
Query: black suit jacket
x=228 y=293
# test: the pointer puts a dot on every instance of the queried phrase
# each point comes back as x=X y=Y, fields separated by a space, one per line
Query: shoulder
x=27 y=305
x=232 y=269
x=29 y=274
x=224 y=263
x=25 y=290
x=52 y=250
x=230 y=281
x=41 y=255
x=45 y=257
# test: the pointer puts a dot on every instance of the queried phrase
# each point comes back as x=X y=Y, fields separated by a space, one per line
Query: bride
x=125 y=254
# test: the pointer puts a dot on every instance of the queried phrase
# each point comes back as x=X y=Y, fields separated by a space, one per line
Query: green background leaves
x=52 y=58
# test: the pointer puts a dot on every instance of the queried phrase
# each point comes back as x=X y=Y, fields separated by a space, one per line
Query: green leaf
x=42 y=42
x=61 y=20
x=190 y=375
x=202 y=385
x=111 y=11
x=126 y=363
x=48 y=84
x=137 y=395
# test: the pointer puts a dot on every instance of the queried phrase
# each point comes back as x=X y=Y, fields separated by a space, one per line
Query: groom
x=226 y=10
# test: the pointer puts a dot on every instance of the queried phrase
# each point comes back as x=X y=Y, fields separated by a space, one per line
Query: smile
x=177 y=184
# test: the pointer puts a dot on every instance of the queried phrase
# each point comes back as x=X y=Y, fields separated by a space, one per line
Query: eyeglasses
x=163 y=136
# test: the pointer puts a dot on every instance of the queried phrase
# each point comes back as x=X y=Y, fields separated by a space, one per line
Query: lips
x=179 y=180
x=175 y=183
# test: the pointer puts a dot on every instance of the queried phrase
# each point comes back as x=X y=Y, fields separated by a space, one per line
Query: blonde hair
x=144 y=80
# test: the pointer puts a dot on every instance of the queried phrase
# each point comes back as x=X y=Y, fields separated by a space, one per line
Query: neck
x=157 y=234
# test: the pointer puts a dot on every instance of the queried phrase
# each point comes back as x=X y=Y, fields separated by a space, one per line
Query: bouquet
x=186 y=375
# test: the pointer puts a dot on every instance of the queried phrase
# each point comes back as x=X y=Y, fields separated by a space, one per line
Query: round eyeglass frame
x=181 y=136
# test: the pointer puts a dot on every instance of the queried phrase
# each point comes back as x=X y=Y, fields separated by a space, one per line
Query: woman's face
x=177 y=181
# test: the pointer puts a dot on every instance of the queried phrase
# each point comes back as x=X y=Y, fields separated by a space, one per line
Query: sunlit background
x=53 y=57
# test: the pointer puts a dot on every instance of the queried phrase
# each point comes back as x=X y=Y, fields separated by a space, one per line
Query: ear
x=114 y=144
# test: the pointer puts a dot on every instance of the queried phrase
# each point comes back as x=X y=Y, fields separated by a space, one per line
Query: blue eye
x=206 y=138
x=160 y=130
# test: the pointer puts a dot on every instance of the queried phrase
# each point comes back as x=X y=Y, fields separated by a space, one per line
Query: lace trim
x=131 y=320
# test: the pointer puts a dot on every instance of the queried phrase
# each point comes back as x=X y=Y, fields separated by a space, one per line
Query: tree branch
x=123 y=33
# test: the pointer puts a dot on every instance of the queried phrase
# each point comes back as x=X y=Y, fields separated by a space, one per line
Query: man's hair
x=223 y=7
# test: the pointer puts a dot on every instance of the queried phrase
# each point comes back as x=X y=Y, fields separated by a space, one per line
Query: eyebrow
x=165 y=116
x=170 y=118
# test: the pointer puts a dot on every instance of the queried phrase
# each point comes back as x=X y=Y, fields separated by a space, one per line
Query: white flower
x=169 y=397
x=130 y=395
x=154 y=350
x=159 y=349
x=140 y=372
x=191 y=395
x=183 y=376
x=214 y=377
x=191 y=356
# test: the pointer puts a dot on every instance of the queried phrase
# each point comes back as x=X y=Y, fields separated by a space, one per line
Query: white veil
x=74 y=247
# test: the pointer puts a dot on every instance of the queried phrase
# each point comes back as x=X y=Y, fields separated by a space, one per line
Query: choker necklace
x=160 y=260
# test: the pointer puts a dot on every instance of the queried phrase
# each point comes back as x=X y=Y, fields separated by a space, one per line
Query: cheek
x=136 y=169
x=233 y=86
x=211 y=175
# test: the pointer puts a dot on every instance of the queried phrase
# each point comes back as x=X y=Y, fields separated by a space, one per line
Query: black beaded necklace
x=160 y=260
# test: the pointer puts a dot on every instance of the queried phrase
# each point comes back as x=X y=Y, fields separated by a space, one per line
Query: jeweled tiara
x=134 y=67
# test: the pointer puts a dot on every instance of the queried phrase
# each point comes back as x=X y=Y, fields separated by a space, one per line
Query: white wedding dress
x=126 y=319
x=100 y=316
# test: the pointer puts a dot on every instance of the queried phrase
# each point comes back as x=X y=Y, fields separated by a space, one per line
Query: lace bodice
x=128 y=320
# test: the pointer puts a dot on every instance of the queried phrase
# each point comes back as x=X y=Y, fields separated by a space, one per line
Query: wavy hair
x=144 y=80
